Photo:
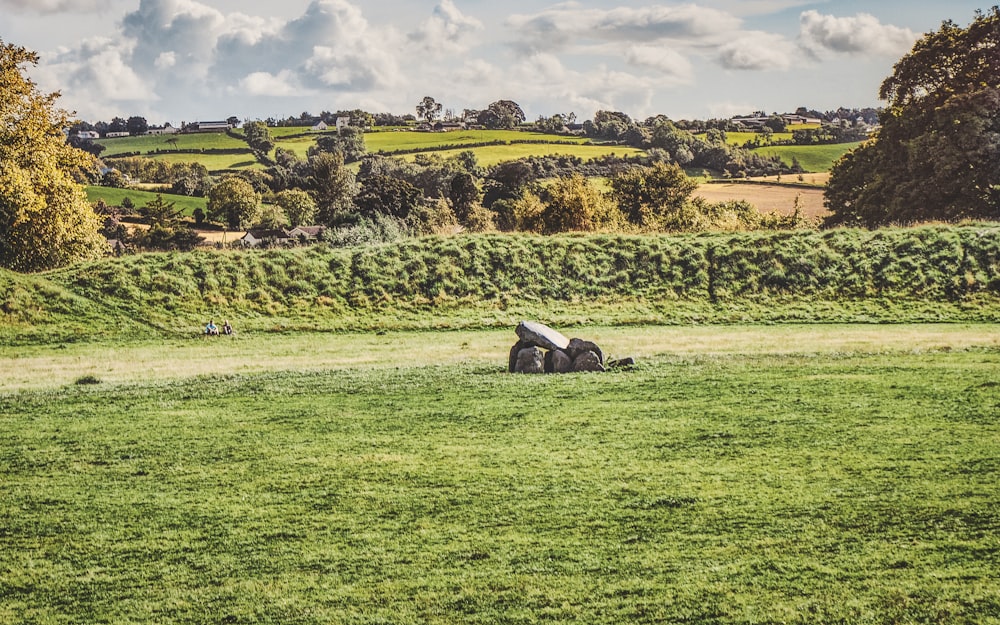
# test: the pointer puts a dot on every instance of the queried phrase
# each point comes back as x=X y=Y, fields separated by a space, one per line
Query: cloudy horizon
x=185 y=60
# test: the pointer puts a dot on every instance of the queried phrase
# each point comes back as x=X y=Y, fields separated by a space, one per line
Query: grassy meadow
x=114 y=197
x=758 y=474
x=812 y=158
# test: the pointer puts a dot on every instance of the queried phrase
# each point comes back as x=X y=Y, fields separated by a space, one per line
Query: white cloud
x=862 y=34
x=48 y=7
x=166 y=60
x=564 y=23
x=265 y=84
x=97 y=73
x=447 y=31
x=674 y=66
x=757 y=51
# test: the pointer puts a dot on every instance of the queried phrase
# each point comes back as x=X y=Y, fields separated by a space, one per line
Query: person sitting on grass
x=226 y=328
x=211 y=329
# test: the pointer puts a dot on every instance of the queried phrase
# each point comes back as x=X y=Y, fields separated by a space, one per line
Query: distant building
x=208 y=127
x=89 y=134
x=166 y=129
x=319 y=127
x=117 y=135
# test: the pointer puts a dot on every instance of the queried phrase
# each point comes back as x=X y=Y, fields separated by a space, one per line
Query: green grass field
x=144 y=144
x=491 y=155
x=812 y=158
x=796 y=474
x=114 y=197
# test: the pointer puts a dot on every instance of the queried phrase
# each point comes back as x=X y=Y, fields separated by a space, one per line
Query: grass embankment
x=923 y=274
x=811 y=486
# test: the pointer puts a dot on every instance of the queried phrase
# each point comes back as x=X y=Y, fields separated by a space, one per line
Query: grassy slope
x=853 y=487
x=214 y=140
x=813 y=158
x=114 y=197
x=475 y=281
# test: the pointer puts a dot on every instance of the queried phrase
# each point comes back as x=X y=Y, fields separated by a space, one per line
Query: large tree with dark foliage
x=937 y=154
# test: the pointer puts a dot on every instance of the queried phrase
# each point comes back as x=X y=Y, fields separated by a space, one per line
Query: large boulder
x=514 y=351
x=539 y=335
x=587 y=362
x=561 y=361
x=530 y=360
x=577 y=347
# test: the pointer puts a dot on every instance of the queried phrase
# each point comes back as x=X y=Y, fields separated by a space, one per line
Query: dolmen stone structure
x=540 y=349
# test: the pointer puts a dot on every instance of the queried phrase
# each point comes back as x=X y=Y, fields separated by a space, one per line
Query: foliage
x=653 y=198
x=349 y=142
x=45 y=219
x=298 y=206
x=935 y=156
x=333 y=186
x=502 y=114
x=428 y=109
x=234 y=202
x=258 y=137
x=387 y=196
x=573 y=205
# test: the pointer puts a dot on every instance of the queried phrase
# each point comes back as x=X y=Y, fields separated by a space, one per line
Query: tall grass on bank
x=931 y=273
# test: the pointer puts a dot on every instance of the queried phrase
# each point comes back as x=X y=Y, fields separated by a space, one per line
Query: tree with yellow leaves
x=45 y=220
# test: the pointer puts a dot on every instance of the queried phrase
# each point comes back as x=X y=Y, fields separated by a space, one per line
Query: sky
x=198 y=60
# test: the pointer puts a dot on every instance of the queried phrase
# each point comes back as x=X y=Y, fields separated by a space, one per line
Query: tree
x=350 y=142
x=234 y=202
x=573 y=204
x=502 y=114
x=654 y=197
x=136 y=125
x=298 y=205
x=166 y=229
x=935 y=155
x=385 y=195
x=45 y=219
x=158 y=212
x=334 y=187
x=258 y=137
x=428 y=109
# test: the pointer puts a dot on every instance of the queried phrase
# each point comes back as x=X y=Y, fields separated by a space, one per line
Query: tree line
x=934 y=157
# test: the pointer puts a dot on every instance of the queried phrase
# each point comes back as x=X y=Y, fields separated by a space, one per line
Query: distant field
x=405 y=140
x=739 y=138
x=206 y=141
x=767 y=198
x=114 y=197
x=213 y=162
x=491 y=155
x=812 y=158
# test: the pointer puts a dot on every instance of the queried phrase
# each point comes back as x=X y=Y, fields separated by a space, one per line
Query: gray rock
x=579 y=346
x=622 y=363
x=587 y=362
x=530 y=360
x=539 y=335
x=561 y=361
x=512 y=361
